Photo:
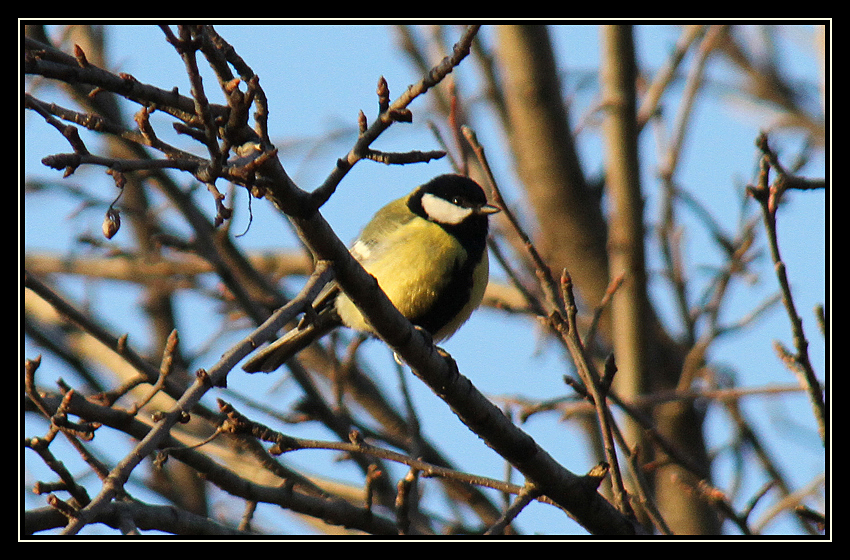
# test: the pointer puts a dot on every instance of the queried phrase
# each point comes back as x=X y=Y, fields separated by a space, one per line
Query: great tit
x=428 y=252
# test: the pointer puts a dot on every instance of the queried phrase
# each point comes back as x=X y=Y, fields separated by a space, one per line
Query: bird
x=428 y=252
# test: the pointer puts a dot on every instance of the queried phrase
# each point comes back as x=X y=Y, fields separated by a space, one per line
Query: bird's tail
x=277 y=353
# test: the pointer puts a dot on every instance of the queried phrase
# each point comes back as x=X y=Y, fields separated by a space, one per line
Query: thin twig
x=769 y=196
x=282 y=443
x=592 y=381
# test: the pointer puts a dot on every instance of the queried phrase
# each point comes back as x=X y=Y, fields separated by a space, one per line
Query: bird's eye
x=457 y=201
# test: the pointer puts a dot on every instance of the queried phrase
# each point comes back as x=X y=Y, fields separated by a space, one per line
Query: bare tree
x=640 y=391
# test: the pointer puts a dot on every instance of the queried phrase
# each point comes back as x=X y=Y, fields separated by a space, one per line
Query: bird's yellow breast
x=412 y=264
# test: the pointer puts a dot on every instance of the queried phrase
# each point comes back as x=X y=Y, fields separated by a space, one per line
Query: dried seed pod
x=111 y=223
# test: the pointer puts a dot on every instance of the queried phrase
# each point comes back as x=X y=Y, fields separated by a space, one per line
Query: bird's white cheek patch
x=442 y=211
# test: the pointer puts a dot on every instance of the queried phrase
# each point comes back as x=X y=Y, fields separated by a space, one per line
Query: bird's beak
x=487 y=209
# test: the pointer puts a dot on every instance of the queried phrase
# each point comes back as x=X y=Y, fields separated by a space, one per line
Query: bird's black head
x=453 y=201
